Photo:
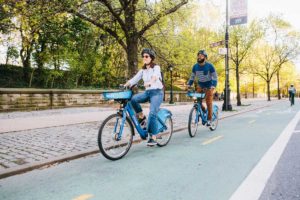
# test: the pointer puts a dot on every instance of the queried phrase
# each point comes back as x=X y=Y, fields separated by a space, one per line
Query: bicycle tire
x=105 y=150
x=164 y=138
x=214 y=123
x=192 y=128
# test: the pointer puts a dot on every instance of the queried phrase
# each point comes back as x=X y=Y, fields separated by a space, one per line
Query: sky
x=289 y=10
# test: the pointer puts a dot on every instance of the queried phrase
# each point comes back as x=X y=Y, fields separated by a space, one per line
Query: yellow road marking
x=84 y=197
x=251 y=122
x=212 y=140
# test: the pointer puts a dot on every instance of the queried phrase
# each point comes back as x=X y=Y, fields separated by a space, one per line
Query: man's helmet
x=203 y=52
x=148 y=51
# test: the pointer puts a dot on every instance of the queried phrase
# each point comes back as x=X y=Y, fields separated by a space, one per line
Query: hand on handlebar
x=188 y=88
x=123 y=86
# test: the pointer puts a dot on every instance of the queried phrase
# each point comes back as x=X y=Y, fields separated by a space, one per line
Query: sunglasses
x=146 y=56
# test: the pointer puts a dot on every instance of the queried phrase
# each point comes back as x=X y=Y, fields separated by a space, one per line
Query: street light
x=226 y=105
x=170 y=67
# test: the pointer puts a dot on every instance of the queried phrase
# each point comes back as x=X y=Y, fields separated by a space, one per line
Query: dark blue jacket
x=206 y=75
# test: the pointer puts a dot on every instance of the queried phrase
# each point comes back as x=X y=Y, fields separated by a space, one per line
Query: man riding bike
x=207 y=80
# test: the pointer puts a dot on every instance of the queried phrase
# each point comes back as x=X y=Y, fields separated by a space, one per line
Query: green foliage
x=71 y=43
x=5 y=18
x=12 y=53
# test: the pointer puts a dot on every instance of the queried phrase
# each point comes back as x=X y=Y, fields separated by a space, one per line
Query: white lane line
x=296 y=131
x=252 y=187
x=211 y=140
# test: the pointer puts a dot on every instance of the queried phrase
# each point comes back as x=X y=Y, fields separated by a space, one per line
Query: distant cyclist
x=207 y=80
x=292 y=92
x=151 y=75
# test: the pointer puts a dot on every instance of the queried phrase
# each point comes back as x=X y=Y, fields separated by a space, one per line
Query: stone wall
x=13 y=99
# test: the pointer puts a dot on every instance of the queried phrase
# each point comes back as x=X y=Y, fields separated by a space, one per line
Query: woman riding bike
x=151 y=75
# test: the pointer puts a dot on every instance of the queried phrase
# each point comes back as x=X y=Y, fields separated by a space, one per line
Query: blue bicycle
x=197 y=116
x=116 y=133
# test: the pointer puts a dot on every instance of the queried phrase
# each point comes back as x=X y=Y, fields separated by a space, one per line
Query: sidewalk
x=29 y=140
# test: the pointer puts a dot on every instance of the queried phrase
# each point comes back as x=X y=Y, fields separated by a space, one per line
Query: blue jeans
x=155 y=97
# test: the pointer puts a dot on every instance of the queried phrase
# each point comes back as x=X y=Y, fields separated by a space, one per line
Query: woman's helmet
x=148 y=51
x=203 y=52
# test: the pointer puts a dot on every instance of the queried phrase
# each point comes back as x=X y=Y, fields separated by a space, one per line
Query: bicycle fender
x=215 y=108
x=163 y=114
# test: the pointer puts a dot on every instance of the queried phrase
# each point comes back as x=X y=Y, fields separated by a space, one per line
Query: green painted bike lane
x=210 y=166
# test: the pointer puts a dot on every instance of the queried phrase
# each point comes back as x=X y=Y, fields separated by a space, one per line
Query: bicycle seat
x=118 y=95
x=196 y=95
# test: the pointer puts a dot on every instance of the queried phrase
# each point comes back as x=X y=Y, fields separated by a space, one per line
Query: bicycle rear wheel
x=193 y=122
x=164 y=137
x=112 y=147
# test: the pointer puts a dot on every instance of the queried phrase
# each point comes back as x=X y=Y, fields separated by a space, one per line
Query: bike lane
x=210 y=166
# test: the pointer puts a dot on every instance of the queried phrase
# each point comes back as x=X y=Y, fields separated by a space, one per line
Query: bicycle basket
x=117 y=95
x=195 y=94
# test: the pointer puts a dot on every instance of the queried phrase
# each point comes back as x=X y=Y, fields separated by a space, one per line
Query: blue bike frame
x=201 y=113
x=161 y=115
x=197 y=105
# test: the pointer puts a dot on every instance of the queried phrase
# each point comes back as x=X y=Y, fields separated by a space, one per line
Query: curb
x=72 y=156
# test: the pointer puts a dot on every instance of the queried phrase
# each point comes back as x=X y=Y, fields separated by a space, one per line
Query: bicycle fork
x=118 y=135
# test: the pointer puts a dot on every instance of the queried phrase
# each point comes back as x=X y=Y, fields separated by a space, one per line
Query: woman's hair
x=152 y=64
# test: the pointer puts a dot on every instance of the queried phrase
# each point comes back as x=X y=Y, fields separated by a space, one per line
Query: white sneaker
x=208 y=124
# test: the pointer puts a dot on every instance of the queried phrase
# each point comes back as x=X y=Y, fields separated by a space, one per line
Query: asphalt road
x=210 y=166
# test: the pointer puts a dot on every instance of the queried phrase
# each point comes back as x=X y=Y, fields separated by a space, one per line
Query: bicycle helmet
x=148 y=51
x=203 y=52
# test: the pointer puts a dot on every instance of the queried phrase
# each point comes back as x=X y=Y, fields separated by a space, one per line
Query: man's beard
x=200 y=61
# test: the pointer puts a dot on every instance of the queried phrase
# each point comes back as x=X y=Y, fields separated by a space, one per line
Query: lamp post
x=226 y=105
x=171 y=89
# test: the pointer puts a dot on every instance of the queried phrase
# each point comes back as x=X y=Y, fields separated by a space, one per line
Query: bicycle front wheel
x=164 y=137
x=215 y=121
x=193 y=122
x=111 y=146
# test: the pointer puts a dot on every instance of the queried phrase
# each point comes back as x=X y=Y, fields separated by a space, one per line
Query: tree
x=29 y=16
x=285 y=42
x=5 y=18
x=263 y=64
x=125 y=20
x=241 y=40
x=12 y=53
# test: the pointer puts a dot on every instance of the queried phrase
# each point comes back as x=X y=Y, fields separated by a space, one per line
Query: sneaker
x=151 y=142
x=208 y=124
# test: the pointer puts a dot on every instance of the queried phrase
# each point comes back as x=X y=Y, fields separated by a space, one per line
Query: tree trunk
x=132 y=53
x=278 y=86
x=26 y=65
x=132 y=39
x=31 y=78
x=253 y=88
x=238 y=97
x=7 y=57
x=268 y=90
